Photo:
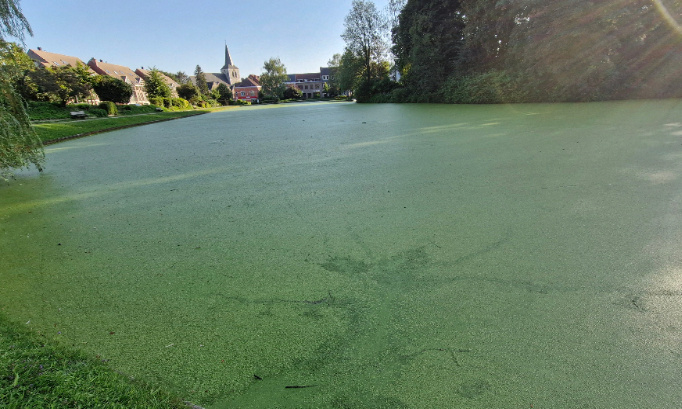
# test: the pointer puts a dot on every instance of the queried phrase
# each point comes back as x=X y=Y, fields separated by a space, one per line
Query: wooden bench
x=78 y=114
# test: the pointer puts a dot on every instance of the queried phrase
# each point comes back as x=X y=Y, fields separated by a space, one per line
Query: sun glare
x=667 y=16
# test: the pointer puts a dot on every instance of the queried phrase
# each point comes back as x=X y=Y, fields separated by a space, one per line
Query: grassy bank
x=38 y=373
x=56 y=131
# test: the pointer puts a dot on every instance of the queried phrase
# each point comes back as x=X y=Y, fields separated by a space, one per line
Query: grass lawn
x=56 y=131
x=38 y=373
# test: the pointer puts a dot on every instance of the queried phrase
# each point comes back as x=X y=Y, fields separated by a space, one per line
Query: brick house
x=125 y=74
x=248 y=89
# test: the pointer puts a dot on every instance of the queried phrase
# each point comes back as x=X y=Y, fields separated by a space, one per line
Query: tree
x=181 y=78
x=349 y=74
x=428 y=42
x=155 y=86
x=273 y=79
x=224 y=94
x=189 y=92
x=200 y=80
x=19 y=145
x=112 y=89
x=13 y=60
x=365 y=35
x=57 y=84
x=292 y=93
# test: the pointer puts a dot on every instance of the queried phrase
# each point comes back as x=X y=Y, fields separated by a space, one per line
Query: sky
x=178 y=35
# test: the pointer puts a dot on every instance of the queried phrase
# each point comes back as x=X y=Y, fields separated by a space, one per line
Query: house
x=44 y=59
x=122 y=73
x=312 y=85
x=169 y=81
x=248 y=89
x=228 y=75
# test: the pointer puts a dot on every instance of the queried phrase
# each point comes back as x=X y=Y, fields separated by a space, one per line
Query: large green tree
x=155 y=86
x=428 y=42
x=273 y=78
x=61 y=84
x=112 y=89
x=200 y=80
x=19 y=145
x=365 y=34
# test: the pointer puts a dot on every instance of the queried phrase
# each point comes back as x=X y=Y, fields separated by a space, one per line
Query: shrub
x=46 y=110
x=181 y=103
x=79 y=107
x=491 y=87
x=109 y=107
x=292 y=93
x=158 y=101
x=98 y=112
x=137 y=109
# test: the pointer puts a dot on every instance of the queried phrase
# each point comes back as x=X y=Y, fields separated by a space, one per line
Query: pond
x=366 y=256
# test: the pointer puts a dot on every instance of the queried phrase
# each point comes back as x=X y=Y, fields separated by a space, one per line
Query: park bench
x=78 y=114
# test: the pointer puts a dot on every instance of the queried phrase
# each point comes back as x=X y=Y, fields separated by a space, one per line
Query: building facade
x=248 y=90
x=125 y=74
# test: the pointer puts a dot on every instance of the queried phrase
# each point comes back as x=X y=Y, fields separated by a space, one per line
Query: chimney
x=100 y=60
x=40 y=49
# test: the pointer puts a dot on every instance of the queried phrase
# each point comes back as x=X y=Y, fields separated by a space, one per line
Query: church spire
x=228 y=59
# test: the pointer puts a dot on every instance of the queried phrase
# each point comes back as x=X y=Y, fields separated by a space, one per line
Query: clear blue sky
x=176 y=35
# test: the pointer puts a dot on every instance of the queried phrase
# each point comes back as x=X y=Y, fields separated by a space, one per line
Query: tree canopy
x=365 y=35
x=200 y=80
x=19 y=145
x=155 y=86
x=112 y=89
x=535 y=50
x=273 y=78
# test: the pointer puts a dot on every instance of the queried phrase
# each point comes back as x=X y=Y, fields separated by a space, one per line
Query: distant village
x=311 y=85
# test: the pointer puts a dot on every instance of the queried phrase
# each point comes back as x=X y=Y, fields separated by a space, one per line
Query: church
x=228 y=75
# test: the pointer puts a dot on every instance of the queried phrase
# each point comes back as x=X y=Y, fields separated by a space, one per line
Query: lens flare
x=667 y=16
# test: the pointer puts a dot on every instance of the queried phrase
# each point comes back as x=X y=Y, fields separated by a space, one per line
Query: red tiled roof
x=116 y=71
x=47 y=59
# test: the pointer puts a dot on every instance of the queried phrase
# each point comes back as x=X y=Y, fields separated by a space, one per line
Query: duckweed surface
x=366 y=256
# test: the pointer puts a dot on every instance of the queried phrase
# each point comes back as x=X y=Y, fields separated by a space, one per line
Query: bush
x=79 y=107
x=292 y=93
x=109 y=107
x=46 y=110
x=137 y=109
x=158 y=101
x=240 y=102
x=98 y=112
x=491 y=87
x=180 y=103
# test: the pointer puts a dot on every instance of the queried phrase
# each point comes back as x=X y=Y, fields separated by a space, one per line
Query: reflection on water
x=344 y=255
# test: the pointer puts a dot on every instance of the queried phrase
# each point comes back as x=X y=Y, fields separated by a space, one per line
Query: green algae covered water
x=366 y=256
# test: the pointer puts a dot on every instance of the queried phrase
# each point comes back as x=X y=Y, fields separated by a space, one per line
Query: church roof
x=228 y=59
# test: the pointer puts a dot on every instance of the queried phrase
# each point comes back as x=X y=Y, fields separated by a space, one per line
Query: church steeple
x=230 y=70
x=228 y=59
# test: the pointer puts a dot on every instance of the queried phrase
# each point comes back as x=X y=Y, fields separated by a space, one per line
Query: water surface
x=391 y=256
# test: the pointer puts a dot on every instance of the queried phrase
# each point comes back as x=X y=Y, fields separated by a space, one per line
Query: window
x=325 y=77
x=243 y=93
